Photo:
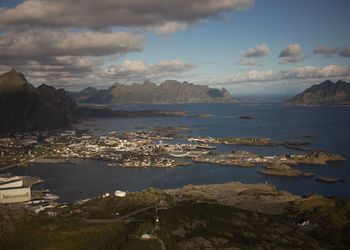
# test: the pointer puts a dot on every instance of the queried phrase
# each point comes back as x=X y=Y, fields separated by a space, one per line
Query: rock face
x=168 y=92
x=326 y=93
x=24 y=107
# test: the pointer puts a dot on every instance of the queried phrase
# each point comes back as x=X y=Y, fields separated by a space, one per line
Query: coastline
x=231 y=213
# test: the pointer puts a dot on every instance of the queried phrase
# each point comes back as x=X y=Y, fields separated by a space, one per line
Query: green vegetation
x=118 y=223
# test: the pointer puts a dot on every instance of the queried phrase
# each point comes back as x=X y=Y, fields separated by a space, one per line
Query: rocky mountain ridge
x=325 y=93
x=24 y=107
x=169 y=91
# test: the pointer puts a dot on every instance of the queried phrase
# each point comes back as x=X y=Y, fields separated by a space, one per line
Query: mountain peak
x=12 y=81
x=325 y=93
x=25 y=108
x=170 y=91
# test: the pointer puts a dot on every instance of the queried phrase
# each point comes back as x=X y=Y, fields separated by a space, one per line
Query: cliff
x=24 y=107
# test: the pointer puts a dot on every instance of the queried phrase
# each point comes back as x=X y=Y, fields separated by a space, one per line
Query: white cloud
x=259 y=51
x=169 y=28
x=136 y=70
x=301 y=73
x=251 y=76
x=40 y=43
x=69 y=42
x=111 y=13
x=293 y=53
x=327 y=51
x=78 y=72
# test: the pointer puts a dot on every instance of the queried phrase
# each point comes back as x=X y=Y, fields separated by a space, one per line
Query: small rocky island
x=325 y=93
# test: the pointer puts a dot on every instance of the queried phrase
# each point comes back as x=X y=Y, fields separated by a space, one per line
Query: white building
x=119 y=193
x=146 y=236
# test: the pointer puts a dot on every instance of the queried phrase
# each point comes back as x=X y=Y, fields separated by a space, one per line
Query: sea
x=326 y=128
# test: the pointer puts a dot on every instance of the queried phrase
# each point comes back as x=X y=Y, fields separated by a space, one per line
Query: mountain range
x=24 y=107
x=325 y=93
x=169 y=91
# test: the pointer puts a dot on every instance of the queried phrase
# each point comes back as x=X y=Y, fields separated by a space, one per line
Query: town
x=158 y=147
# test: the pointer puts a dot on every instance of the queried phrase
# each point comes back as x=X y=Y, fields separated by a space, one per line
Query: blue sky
x=207 y=50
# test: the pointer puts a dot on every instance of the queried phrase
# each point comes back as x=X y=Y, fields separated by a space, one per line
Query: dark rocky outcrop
x=24 y=107
x=326 y=93
x=168 y=92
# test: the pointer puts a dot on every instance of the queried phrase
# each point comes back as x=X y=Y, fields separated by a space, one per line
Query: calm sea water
x=328 y=128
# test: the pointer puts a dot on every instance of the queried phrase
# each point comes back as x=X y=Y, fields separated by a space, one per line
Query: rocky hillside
x=168 y=92
x=24 y=107
x=326 y=93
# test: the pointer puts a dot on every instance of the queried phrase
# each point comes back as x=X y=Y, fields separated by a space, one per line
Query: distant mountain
x=24 y=107
x=83 y=94
x=326 y=93
x=168 y=92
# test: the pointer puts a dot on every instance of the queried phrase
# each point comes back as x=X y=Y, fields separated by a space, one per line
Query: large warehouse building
x=13 y=191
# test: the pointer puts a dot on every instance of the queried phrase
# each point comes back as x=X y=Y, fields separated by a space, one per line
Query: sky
x=249 y=47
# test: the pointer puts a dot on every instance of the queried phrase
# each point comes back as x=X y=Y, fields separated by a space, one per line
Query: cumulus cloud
x=169 y=28
x=259 y=51
x=110 y=13
x=301 y=73
x=38 y=43
x=293 y=53
x=64 y=41
x=78 y=72
x=327 y=51
x=135 y=70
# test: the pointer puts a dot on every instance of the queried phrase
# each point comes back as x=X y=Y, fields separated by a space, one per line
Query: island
x=144 y=148
x=251 y=141
x=169 y=91
x=325 y=93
